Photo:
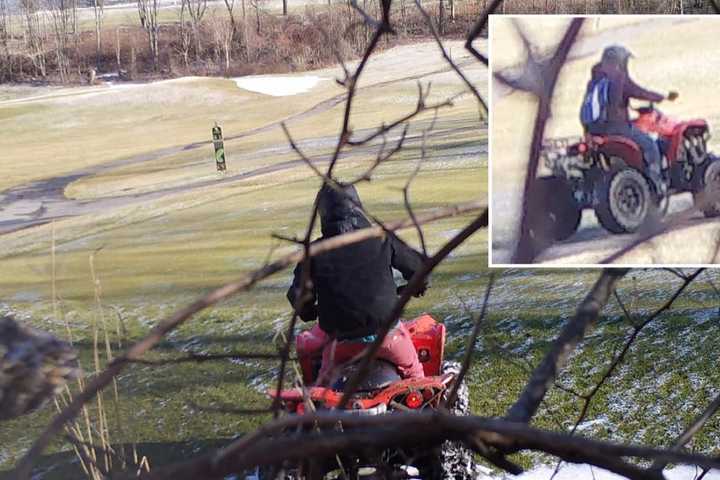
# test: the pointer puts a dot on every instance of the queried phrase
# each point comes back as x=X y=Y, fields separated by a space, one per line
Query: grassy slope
x=156 y=257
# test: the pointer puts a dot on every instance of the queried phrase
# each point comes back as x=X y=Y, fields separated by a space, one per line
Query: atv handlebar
x=650 y=106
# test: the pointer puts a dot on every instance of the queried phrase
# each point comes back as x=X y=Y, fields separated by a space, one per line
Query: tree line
x=62 y=41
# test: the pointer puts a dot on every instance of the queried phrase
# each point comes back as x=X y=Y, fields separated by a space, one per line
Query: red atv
x=382 y=392
x=607 y=173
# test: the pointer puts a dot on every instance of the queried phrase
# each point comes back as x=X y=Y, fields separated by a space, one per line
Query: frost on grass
x=573 y=472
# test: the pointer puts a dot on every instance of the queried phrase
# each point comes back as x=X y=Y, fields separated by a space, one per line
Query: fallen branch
x=360 y=433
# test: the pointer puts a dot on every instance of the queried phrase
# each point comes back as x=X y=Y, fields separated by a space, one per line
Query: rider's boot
x=659 y=183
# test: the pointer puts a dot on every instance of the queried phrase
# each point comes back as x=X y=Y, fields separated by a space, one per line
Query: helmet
x=340 y=210
x=616 y=55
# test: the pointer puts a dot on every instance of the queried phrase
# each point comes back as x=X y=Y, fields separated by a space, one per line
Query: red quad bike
x=383 y=392
x=607 y=173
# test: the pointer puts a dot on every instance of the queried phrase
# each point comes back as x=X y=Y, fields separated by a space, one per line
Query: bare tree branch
x=542 y=80
x=270 y=446
x=478 y=28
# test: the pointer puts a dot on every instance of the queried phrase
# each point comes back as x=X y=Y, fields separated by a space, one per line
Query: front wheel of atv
x=708 y=199
x=553 y=212
x=453 y=460
x=624 y=199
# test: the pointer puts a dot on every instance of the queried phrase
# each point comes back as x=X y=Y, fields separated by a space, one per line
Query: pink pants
x=397 y=348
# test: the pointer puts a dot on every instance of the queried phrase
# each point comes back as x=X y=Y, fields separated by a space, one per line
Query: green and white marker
x=219 y=148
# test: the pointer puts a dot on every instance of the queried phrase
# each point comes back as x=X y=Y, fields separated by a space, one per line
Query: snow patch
x=278 y=86
x=575 y=472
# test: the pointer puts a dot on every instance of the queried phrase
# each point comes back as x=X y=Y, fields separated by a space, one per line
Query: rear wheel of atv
x=708 y=199
x=553 y=212
x=624 y=200
x=453 y=460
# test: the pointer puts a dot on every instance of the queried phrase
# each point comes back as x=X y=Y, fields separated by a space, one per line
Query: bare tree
x=98 y=11
x=257 y=6
x=184 y=34
x=441 y=17
x=196 y=9
x=148 y=13
x=6 y=70
x=61 y=16
x=222 y=31
x=35 y=35
x=230 y=6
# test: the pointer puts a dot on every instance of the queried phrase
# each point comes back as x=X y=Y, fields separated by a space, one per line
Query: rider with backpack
x=351 y=289
x=605 y=107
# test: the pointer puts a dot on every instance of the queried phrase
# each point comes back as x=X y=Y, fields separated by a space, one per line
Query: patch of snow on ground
x=575 y=472
x=601 y=421
x=276 y=85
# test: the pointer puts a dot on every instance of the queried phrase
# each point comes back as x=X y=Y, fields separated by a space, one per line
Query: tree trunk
x=133 y=62
x=6 y=66
x=98 y=10
x=257 y=18
x=441 y=17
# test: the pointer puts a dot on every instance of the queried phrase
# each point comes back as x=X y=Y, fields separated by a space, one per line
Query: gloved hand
x=673 y=95
x=421 y=292
x=309 y=313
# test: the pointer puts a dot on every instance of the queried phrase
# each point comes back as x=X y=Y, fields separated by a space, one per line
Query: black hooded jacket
x=352 y=289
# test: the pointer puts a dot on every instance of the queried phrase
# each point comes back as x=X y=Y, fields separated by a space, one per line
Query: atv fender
x=617 y=146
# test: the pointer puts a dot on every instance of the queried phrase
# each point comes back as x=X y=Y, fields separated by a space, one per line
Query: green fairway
x=154 y=256
x=161 y=228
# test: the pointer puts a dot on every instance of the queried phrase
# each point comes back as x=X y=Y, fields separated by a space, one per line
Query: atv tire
x=624 y=199
x=553 y=212
x=453 y=460
x=708 y=199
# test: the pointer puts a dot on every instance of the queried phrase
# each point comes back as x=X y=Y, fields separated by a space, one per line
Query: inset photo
x=604 y=143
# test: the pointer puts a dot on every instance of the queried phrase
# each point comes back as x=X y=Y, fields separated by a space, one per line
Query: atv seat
x=597 y=141
x=381 y=374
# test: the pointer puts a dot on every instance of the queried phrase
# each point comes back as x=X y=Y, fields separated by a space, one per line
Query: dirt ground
x=670 y=53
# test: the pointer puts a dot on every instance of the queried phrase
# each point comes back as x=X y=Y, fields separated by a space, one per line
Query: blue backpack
x=595 y=103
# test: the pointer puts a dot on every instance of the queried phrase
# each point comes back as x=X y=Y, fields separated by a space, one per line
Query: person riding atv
x=605 y=108
x=352 y=289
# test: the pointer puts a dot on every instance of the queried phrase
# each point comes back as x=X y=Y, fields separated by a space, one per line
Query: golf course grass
x=123 y=269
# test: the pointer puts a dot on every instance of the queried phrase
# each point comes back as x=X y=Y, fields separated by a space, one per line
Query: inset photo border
x=604 y=141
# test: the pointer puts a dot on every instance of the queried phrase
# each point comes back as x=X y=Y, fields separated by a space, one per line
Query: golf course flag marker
x=219 y=148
